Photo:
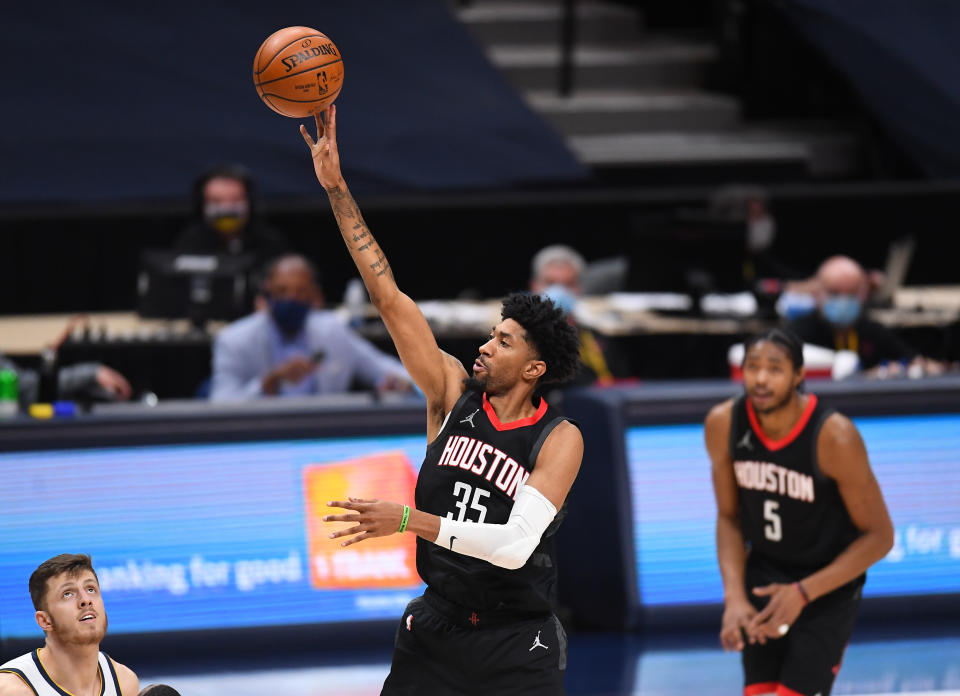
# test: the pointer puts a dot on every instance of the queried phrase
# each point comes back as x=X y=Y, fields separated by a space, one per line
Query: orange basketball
x=298 y=71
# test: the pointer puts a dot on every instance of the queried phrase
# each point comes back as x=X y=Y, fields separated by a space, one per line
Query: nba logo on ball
x=298 y=71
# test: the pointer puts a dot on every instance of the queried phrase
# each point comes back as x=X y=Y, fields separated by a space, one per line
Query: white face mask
x=226 y=217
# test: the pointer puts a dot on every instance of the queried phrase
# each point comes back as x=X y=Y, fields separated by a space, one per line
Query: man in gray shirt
x=291 y=347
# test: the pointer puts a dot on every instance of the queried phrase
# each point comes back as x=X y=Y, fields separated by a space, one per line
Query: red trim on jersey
x=774 y=445
x=769 y=688
x=530 y=420
x=836 y=667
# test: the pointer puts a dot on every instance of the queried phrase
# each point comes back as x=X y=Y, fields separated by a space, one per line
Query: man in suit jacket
x=294 y=348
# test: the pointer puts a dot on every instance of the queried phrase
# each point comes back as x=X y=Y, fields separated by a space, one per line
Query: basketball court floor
x=607 y=665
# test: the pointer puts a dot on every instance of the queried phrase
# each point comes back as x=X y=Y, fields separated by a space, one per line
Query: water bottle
x=355 y=301
x=9 y=394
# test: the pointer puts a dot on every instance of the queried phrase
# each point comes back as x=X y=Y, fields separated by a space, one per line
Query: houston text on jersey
x=486 y=461
x=765 y=476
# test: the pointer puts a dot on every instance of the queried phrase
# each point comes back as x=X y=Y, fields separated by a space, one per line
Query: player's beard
x=482 y=386
x=78 y=637
x=475 y=385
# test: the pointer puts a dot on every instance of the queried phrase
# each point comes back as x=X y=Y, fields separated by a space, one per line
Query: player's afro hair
x=553 y=338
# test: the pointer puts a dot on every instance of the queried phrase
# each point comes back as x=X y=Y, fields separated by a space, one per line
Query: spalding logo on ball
x=298 y=71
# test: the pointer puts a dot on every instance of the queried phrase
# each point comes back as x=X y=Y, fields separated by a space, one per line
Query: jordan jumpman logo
x=537 y=643
x=469 y=419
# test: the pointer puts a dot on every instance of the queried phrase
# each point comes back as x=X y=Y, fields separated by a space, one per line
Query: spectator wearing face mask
x=555 y=273
x=841 y=288
x=293 y=347
x=226 y=219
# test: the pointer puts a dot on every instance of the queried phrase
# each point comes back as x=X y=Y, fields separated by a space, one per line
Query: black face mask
x=289 y=315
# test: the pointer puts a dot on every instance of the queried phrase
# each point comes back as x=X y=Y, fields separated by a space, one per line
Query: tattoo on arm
x=343 y=205
x=344 y=209
x=380 y=266
x=361 y=236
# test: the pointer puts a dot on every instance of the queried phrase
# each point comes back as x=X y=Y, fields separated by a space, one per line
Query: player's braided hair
x=783 y=337
x=552 y=337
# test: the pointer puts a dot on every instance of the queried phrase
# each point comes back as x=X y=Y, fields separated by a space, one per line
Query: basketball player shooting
x=498 y=467
x=792 y=481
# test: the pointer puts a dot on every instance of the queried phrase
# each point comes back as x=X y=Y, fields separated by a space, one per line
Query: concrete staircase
x=638 y=112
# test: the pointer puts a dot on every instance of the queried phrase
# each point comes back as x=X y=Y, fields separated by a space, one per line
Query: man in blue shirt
x=294 y=348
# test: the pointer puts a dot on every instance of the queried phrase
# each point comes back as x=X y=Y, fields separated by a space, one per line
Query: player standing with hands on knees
x=498 y=467
x=800 y=518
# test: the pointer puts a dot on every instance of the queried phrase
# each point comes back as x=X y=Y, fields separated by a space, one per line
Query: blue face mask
x=841 y=310
x=289 y=315
x=561 y=297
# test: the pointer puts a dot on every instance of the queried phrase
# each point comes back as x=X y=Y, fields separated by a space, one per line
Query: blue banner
x=916 y=459
x=210 y=536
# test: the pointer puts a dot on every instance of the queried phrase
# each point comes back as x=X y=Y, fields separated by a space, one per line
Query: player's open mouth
x=478 y=366
x=88 y=617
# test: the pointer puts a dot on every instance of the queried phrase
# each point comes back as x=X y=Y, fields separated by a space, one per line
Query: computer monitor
x=196 y=287
x=689 y=252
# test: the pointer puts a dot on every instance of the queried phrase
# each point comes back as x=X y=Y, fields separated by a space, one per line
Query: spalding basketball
x=298 y=71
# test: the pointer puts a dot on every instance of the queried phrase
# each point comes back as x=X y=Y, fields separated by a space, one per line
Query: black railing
x=568 y=38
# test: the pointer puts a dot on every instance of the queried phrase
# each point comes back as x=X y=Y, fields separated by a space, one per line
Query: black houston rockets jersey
x=791 y=514
x=472 y=471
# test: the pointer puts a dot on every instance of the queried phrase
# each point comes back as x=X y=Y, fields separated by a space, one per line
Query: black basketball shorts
x=804 y=662
x=438 y=655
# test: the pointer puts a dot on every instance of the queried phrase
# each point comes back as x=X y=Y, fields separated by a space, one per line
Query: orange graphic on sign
x=388 y=561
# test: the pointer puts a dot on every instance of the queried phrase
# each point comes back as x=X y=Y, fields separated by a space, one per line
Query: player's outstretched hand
x=373 y=518
x=775 y=620
x=736 y=616
x=326 y=157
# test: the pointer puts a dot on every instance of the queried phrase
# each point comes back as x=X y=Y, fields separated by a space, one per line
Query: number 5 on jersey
x=773 y=531
x=462 y=491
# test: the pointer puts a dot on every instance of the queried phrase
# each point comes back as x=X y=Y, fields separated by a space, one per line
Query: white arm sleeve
x=506 y=545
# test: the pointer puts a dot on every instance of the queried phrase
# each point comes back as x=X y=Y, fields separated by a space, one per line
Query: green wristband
x=406 y=518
